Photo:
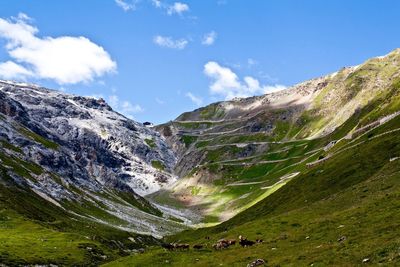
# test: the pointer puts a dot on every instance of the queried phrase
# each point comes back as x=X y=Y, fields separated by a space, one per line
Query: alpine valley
x=311 y=172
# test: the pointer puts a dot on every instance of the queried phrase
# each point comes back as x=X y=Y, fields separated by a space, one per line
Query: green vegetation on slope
x=34 y=231
x=37 y=138
x=158 y=165
x=150 y=142
x=188 y=140
x=340 y=212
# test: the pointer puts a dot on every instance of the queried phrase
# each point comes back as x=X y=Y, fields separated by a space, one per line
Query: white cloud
x=126 y=5
x=157 y=3
x=177 y=8
x=226 y=83
x=65 y=59
x=128 y=107
x=124 y=107
x=195 y=99
x=171 y=9
x=169 y=42
x=22 y=17
x=224 y=78
x=12 y=71
x=209 y=38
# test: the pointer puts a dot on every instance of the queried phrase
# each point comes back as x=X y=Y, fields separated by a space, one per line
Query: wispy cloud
x=160 y=101
x=124 y=107
x=157 y=3
x=209 y=38
x=12 y=71
x=177 y=8
x=195 y=99
x=169 y=42
x=251 y=62
x=227 y=84
x=127 y=5
x=65 y=59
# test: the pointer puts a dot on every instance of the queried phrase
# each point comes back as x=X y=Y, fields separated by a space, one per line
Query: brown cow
x=224 y=243
x=220 y=245
x=231 y=242
x=182 y=246
x=227 y=241
x=168 y=246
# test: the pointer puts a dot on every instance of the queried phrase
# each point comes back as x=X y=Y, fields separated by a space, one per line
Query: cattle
x=197 y=246
x=168 y=246
x=259 y=240
x=182 y=246
x=173 y=246
x=244 y=242
x=227 y=241
x=224 y=243
x=257 y=262
x=220 y=245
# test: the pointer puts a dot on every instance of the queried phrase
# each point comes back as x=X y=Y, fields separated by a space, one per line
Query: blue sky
x=153 y=60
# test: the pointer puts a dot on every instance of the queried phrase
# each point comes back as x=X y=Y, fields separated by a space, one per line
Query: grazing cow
x=257 y=262
x=224 y=243
x=182 y=246
x=197 y=246
x=168 y=246
x=220 y=245
x=244 y=242
x=229 y=242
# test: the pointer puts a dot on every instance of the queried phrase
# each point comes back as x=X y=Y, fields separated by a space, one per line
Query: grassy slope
x=34 y=231
x=355 y=194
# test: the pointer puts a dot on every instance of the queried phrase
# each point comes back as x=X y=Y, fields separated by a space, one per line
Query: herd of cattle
x=221 y=244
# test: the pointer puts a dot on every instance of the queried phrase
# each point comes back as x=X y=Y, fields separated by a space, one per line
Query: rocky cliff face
x=87 y=142
x=69 y=148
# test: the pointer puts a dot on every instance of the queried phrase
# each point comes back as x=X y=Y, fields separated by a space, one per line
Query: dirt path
x=249 y=183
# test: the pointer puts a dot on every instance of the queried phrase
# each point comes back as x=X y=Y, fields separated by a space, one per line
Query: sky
x=154 y=59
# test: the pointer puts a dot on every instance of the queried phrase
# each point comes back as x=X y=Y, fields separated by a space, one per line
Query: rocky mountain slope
x=75 y=156
x=235 y=153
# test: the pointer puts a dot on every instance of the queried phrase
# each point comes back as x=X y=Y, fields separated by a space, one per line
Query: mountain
x=66 y=158
x=232 y=154
x=313 y=171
